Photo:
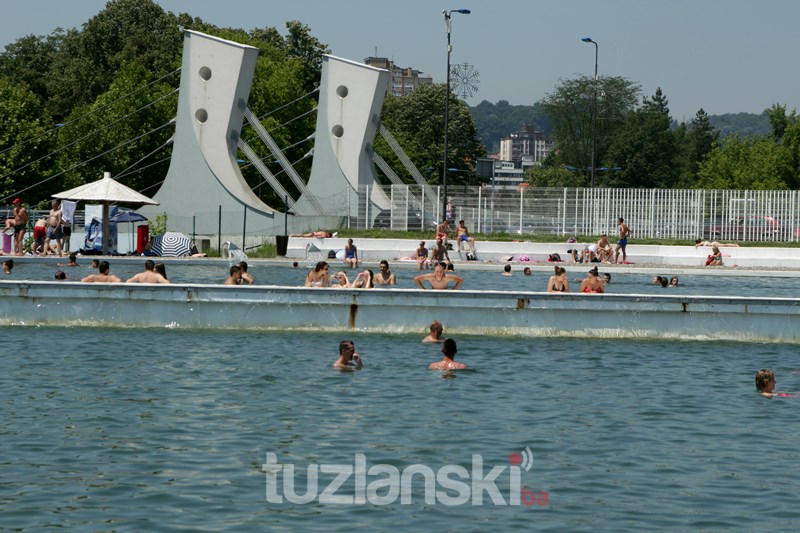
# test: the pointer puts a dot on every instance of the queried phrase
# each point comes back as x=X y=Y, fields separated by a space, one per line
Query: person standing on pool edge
x=624 y=233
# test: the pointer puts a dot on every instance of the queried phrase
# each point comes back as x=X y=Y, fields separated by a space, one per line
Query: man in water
x=246 y=277
x=149 y=275
x=348 y=358
x=103 y=276
x=439 y=279
x=436 y=332
x=384 y=275
x=448 y=361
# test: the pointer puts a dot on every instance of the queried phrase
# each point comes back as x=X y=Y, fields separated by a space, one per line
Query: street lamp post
x=594 y=102
x=447 y=15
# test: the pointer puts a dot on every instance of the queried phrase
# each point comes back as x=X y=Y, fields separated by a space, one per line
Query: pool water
x=161 y=430
x=215 y=272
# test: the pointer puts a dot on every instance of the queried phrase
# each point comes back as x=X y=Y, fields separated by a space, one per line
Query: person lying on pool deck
x=439 y=279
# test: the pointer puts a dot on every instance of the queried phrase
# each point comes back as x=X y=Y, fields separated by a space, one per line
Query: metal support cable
x=81 y=117
x=102 y=128
x=404 y=159
x=290 y=103
x=125 y=171
x=274 y=183
x=284 y=162
x=73 y=167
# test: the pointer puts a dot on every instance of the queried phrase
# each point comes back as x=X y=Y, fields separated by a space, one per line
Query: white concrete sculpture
x=350 y=99
x=203 y=173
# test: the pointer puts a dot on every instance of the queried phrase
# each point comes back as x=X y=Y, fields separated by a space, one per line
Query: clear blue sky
x=725 y=56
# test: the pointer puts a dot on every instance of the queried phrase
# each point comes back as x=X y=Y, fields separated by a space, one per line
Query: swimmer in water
x=436 y=328
x=448 y=362
x=439 y=279
x=765 y=384
x=348 y=358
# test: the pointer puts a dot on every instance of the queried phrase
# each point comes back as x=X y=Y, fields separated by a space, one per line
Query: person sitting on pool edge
x=435 y=335
x=448 y=362
x=348 y=358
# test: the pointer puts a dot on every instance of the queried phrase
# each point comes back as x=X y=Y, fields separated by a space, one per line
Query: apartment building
x=402 y=80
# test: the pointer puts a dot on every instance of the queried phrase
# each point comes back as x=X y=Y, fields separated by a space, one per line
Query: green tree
x=29 y=60
x=417 y=122
x=545 y=176
x=699 y=139
x=748 y=163
x=570 y=107
x=24 y=139
x=125 y=31
x=115 y=132
x=646 y=149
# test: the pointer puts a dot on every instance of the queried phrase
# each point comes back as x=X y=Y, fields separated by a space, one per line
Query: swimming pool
x=153 y=429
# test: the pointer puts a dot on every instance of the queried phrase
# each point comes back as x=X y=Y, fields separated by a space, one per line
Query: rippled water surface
x=153 y=430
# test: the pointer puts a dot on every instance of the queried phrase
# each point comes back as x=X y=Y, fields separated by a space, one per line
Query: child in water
x=765 y=384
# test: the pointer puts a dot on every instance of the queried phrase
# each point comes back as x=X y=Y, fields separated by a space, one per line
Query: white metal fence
x=685 y=214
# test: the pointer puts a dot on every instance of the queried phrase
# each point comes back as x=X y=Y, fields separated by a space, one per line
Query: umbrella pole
x=106 y=231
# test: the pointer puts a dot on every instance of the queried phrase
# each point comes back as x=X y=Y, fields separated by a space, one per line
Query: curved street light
x=447 y=15
x=594 y=102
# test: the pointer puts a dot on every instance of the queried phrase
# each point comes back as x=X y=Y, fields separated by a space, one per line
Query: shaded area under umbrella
x=105 y=191
x=129 y=217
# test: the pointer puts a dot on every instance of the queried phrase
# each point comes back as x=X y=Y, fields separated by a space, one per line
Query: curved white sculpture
x=350 y=99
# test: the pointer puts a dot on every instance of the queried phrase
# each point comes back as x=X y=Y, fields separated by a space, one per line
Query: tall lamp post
x=594 y=103
x=447 y=15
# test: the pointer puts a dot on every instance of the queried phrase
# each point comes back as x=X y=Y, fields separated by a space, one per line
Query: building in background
x=525 y=145
x=402 y=80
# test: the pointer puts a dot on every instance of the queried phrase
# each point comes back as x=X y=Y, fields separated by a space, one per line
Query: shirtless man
x=103 y=276
x=39 y=235
x=624 y=233
x=384 y=275
x=436 y=332
x=439 y=279
x=246 y=277
x=422 y=256
x=442 y=231
x=462 y=235
x=149 y=275
x=348 y=358
x=448 y=362
x=440 y=252
x=19 y=224
x=54 y=231
x=604 y=250
x=236 y=276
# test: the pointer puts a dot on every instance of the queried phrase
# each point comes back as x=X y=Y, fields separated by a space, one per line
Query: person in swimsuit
x=19 y=224
x=439 y=279
x=715 y=259
x=593 y=283
x=765 y=384
x=103 y=276
x=340 y=280
x=319 y=276
x=462 y=235
x=673 y=281
x=246 y=277
x=348 y=358
x=435 y=335
x=449 y=350
x=54 y=232
x=422 y=256
x=235 y=277
x=558 y=282
x=442 y=231
x=624 y=233
x=440 y=252
x=351 y=254
x=385 y=276
x=364 y=280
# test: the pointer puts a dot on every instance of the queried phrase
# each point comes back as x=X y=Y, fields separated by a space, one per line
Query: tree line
x=78 y=102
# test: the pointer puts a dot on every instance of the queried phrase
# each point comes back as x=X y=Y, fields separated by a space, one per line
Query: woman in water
x=319 y=276
x=340 y=280
x=559 y=281
x=363 y=280
x=593 y=283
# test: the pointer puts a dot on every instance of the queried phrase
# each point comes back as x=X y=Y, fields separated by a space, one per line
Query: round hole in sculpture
x=337 y=130
x=205 y=73
x=201 y=115
x=342 y=91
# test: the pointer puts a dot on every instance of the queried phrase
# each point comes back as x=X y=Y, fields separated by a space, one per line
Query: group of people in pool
x=440 y=278
x=350 y=360
x=665 y=281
